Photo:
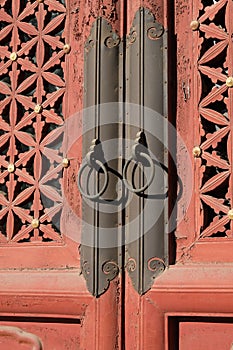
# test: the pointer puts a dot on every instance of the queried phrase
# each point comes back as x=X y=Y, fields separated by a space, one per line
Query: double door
x=116 y=201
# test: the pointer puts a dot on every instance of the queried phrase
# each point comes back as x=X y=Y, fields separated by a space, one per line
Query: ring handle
x=152 y=174
x=79 y=180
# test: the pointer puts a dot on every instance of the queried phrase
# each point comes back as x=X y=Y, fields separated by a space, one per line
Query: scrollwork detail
x=155 y=31
x=156 y=265
x=110 y=269
x=89 y=45
x=132 y=37
x=86 y=268
x=131 y=265
x=112 y=41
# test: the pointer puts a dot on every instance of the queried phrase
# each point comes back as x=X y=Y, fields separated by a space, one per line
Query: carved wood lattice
x=32 y=89
x=215 y=65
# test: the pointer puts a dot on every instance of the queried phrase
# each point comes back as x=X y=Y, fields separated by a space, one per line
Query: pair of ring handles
x=137 y=153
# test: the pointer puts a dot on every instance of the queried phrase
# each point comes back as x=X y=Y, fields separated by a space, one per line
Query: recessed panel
x=205 y=336
x=39 y=334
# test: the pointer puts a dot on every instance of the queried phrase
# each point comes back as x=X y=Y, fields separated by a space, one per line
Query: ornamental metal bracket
x=146 y=241
x=100 y=256
x=139 y=66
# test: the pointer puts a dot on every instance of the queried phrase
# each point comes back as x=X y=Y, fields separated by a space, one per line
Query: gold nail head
x=11 y=168
x=66 y=48
x=35 y=223
x=40 y=1
x=196 y=152
x=230 y=214
x=65 y=162
x=13 y=56
x=229 y=82
x=38 y=109
x=194 y=25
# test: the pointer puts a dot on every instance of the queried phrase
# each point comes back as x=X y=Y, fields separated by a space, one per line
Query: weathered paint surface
x=190 y=304
x=42 y=290
x=202 y=335
x=204 y=75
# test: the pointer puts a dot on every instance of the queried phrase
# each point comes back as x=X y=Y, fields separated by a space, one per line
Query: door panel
x=205 y=336
x=210 y=143
x=42 y=73
x=58 y=57
x=39 y=334
x=197 y=286
x=34 y=89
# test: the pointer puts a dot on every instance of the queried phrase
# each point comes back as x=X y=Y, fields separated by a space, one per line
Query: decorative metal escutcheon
x=146 y=86
x=94 y=164
x=139 y=154
x=137 y=62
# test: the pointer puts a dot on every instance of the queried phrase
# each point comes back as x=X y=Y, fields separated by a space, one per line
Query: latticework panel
x=214 y=148
x=32 y=89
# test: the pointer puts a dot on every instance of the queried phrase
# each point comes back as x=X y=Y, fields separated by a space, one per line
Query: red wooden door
x=190 y=305
x=44 y=300
x=101 y=90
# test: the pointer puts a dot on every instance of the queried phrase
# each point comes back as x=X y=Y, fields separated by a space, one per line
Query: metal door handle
x=91 y=161
x=21 y=336
x=81 y=190
x=138 y=152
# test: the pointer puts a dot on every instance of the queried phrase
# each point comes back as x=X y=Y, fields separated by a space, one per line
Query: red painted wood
x=205 y=336
x=103 y=321
x=183 y=18
x=185 y=291
x=29 y=105
x=10 y=333
x=158 y=9
x=199 y=285
x=42 y=290
x=207 y=222
x=40 y=275
x=51 y=332
x=25 y=140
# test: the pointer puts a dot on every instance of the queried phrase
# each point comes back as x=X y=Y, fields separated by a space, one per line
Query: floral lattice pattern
x=32 y=88
x=215 y=66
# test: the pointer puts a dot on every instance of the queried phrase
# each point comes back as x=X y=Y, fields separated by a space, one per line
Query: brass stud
x=38 y=109
x=194 y=25
x=35 y=223
x=66 y=48
x=65 y=162
x=230 y=214
x=11 y=168
x=13 y=56
x=229 y=82
x=196 y=151
x=40 y=1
